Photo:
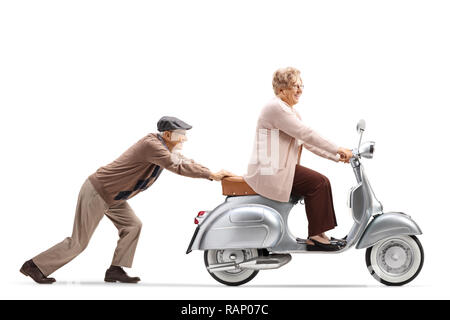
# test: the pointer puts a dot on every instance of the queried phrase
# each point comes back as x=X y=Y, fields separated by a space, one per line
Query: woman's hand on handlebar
x=345 y=154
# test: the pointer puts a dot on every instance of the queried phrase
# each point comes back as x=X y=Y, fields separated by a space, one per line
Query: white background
x=81 y=81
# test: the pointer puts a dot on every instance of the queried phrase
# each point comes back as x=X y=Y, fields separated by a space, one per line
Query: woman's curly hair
x=284 y=78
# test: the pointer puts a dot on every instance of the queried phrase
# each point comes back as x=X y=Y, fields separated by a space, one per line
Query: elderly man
x=106 y=193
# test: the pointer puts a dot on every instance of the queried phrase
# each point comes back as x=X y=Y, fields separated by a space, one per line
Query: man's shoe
x=31 y=270
x=117 y=274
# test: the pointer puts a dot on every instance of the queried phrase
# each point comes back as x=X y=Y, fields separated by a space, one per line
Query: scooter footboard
x=386 y=225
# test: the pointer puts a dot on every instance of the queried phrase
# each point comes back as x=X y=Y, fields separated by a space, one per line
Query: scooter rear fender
x=244 y=226
x=386 y=225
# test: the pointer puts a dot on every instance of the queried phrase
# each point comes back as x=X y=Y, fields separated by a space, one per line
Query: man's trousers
x=90 y=210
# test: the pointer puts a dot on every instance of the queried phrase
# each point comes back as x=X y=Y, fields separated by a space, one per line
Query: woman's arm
x=322 y=153
x=289 y=123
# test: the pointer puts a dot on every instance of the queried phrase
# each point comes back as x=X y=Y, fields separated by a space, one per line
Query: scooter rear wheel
x=235 y=277
x=395 y=261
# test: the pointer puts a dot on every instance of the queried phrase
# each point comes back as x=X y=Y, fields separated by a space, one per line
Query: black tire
x=235 y=278
x=375 y=253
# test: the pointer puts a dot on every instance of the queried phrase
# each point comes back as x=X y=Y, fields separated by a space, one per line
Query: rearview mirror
x=361 y=126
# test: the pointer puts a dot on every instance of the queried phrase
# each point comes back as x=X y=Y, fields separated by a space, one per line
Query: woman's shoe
x=342 y=242
x=337 y=239
x=319 y=246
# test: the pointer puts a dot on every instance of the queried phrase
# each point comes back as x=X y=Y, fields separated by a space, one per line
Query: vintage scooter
x=248 y=233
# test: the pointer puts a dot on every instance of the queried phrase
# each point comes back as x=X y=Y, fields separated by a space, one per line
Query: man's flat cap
x=172 y=123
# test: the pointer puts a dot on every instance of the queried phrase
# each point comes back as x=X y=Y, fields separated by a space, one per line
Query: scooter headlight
x=366 y=150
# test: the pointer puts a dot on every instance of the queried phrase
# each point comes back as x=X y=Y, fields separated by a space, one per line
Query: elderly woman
x=274 y=171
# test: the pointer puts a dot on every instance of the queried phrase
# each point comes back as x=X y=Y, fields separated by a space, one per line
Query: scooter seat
x=236 y=186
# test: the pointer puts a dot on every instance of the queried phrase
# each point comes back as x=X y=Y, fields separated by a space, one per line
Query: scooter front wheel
x=232 y=277
x=395 y=261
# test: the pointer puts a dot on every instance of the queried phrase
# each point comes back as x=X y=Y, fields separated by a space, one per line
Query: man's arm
x=155 y=152
x=178 y=159
x=162 y=157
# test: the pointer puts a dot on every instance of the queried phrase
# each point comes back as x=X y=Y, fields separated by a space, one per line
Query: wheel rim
x=231 y=277
x=232 y=255
x=395 y=257
x=396 y=260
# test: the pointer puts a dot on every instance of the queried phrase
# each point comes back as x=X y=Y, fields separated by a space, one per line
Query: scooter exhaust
x=273 y=261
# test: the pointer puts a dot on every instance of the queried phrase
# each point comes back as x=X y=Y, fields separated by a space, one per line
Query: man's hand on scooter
x=345 y=154
x=221 y=174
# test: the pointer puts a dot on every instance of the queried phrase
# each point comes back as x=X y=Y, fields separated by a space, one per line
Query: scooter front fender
x=386 y=225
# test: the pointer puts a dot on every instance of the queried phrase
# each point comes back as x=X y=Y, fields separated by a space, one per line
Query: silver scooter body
x=261 y=223
x=256 y=222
